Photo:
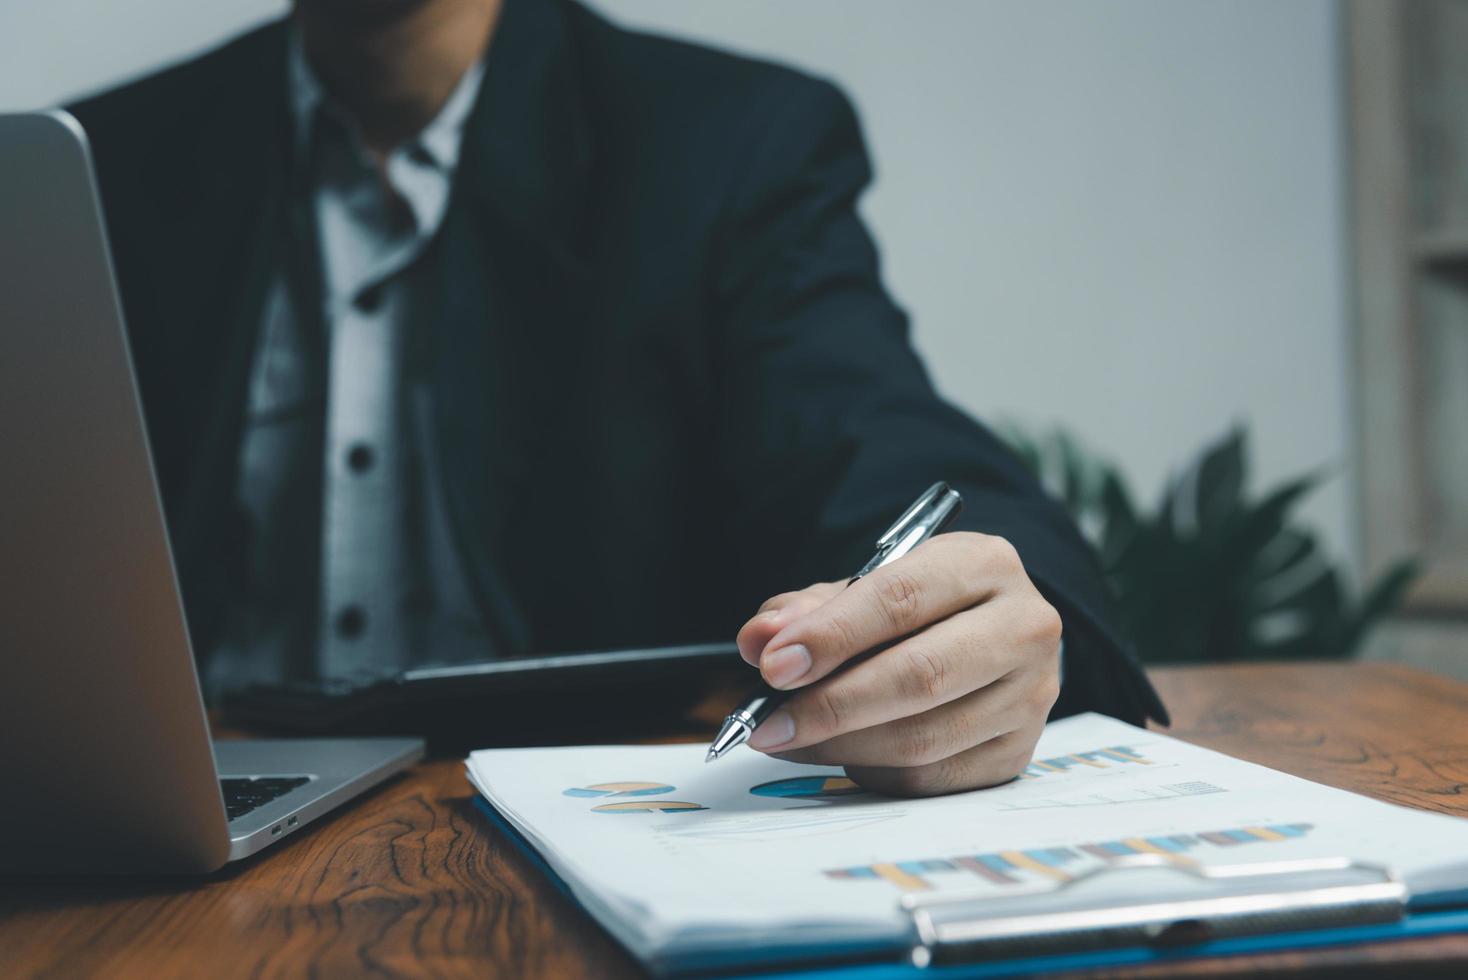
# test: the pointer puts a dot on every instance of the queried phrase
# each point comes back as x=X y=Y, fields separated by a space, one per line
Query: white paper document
x=683 y=861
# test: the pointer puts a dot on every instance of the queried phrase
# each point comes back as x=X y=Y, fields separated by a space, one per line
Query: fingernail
x=774 y=731
x=786 y=665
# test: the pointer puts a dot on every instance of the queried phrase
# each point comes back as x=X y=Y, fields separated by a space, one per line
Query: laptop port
x=291 y=822
x=275 y=830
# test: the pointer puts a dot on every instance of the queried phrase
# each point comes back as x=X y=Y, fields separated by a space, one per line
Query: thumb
x=779 y=611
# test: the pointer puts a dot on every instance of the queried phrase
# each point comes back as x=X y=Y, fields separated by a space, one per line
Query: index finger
x=777 y=611
x=941 y=577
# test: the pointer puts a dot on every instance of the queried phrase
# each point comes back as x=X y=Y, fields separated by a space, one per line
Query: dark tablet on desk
x=565 y=672
x=599 y=695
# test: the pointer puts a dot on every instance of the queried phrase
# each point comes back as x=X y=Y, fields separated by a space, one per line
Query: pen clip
x=911 y=514
x=928 y=515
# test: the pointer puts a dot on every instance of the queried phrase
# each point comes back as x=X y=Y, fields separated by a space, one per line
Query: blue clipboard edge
x=1437 y=915
x=1414 y=926
x=732 y=963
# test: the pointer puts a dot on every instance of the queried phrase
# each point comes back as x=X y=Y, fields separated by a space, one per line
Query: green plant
x=1212 y=574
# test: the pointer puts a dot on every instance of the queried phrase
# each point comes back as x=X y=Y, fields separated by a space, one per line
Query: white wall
x=1127 y=217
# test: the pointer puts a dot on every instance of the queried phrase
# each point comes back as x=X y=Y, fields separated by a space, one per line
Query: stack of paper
x=689 y=864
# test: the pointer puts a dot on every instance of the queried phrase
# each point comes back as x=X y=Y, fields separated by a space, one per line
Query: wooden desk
x=412 y=882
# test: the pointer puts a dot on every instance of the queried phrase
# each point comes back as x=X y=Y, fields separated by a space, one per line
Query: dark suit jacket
x=668 y=381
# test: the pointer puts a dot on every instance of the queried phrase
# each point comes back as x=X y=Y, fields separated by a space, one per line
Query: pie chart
x=648 y=806
x=620 y=789
x=808 y=788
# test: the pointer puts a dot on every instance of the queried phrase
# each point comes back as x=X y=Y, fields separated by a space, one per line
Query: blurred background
x=1130 y=233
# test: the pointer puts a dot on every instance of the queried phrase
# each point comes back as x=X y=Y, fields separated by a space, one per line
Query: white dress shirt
x=390 y=590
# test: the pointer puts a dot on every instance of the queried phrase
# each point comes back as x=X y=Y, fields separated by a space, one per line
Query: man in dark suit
x=481 y=327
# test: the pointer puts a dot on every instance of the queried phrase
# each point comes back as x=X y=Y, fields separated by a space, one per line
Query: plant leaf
x=1261 y=523
x=1220 y=482
x=1020 y=443
x=1281 y=555
x=1118 y=519
x=1319 y=604
x=1379 y=601
x=1210 y=574
x=1072 y=473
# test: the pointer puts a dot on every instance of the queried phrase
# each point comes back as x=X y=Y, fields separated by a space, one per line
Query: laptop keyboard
x=246 y=794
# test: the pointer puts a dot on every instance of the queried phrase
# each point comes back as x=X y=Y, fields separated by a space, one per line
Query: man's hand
x=956 y=702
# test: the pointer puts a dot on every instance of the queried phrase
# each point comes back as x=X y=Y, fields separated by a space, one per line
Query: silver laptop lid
x=101 y=718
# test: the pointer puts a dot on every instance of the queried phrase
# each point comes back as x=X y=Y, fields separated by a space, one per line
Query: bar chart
x=1112 y=795
x=1058 y=863
x=1106 y=758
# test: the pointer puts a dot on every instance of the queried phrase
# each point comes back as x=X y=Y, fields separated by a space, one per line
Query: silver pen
x=928 y=515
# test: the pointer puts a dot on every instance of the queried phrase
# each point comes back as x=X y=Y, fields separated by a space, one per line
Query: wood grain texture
x=410 y=881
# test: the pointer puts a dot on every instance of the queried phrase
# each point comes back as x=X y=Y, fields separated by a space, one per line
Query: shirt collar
x=441 y=139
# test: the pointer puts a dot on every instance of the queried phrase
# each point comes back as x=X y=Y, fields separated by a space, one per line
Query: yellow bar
x=1046 y=765
x=1264 y=833
x=907 y=882
x=1089 y=762
x=1022 y=860
x=1139 y=844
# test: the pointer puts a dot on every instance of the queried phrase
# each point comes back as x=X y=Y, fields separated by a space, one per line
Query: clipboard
x=1229 y=910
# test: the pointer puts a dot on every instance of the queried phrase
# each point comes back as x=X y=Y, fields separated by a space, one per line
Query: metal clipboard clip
x=1167 y=902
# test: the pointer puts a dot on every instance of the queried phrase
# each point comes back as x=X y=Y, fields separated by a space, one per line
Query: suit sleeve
x=829 y=425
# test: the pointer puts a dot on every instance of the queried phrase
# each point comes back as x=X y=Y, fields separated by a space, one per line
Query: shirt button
x=360 y=457
x=369 y=299
x=350 y=622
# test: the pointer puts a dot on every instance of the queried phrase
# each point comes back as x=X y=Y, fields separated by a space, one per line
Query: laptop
x=106 y=759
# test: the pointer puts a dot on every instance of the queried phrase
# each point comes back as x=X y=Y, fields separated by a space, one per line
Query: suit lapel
x=514 y=279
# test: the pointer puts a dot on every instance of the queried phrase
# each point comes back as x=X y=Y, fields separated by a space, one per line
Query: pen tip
x=709 y=756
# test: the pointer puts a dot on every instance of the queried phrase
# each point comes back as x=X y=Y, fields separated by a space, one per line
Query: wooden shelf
x=1408 y=103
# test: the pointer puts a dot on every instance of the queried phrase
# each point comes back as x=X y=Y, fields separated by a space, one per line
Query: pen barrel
x=763 y=702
